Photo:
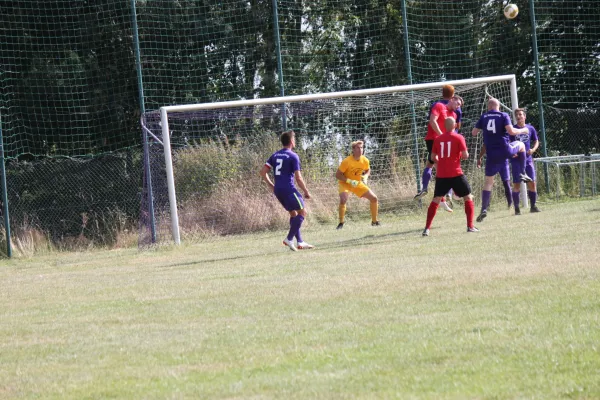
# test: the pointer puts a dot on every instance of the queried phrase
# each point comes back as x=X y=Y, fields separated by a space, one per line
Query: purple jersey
x=495 y=137
x=458 y=111
x=284 y=164
x=527 y=139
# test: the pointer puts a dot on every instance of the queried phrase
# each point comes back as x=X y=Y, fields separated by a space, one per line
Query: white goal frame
x=166 y=110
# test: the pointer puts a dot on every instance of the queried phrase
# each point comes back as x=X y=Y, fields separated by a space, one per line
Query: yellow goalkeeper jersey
x=353 y=169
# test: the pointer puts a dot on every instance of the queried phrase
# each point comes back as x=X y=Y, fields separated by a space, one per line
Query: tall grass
x=113 y=230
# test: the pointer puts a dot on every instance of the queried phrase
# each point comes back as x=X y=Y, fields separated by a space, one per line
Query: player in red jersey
x=448 y=150
x=439 y=112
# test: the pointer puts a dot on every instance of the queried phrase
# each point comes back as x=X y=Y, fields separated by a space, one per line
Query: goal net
x=202 y=160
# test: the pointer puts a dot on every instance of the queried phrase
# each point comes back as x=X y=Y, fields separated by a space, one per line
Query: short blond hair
x=450 y=124
x=357 y=142
x=493 y=104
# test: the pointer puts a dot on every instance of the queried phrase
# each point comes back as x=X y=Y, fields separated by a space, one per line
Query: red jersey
x=441 y=111
x=448 y=148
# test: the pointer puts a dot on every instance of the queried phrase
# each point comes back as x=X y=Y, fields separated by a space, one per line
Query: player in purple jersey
x=497 y=130
x=532 y=143
x=286 y=167
x=504 y=171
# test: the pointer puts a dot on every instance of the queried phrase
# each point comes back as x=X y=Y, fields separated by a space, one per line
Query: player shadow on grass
x=367 y=240
x=362 y=241
x=214 y=260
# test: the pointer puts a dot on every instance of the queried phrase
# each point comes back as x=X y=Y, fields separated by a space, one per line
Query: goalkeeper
x=352 y=176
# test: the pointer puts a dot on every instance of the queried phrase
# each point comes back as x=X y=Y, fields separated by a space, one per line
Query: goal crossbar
x=337 y=95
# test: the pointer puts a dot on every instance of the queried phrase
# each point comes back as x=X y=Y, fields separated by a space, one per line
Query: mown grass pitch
x=510 y=312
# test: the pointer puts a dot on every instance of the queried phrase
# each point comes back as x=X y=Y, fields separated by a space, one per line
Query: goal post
x=164 y=118
x=327 y=123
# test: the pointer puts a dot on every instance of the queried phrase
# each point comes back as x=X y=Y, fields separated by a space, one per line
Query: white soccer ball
x=511 y=11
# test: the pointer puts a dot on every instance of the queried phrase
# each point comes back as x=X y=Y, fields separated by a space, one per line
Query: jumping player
x=497 y=129
x=439 y=112
x=448 y=150
x=503 y=171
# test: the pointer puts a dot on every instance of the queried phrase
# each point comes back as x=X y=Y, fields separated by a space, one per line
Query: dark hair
x=462 y=102
x=286 y=137
x=520 y=109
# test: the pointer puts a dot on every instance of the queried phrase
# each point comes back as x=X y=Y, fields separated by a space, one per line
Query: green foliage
x=68 y=78
x=66 y=198
x=569 y=181
x=199 y=169
x=204 y=165
x=572 y=131
x=71 y=88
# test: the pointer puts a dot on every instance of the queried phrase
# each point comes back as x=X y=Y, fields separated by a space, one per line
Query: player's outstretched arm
x=265 y=177
x=301 y=184
x=512 y=131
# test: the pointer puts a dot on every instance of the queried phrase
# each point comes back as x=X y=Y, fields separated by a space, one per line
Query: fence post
x=4 y=194
x=538 y=86
x=279 y=63
x=582 y=178
x=557 y=181
x=593 y=179
x=416 y=158
x=147 y=172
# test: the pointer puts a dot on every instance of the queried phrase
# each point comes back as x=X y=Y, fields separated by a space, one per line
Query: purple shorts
x=529 y=170
x=493 y=167
x=290 y=199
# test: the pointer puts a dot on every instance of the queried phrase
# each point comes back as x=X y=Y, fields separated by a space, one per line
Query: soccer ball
x=511 y=11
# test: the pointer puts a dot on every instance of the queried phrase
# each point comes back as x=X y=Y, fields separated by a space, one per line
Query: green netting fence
x=72 y=89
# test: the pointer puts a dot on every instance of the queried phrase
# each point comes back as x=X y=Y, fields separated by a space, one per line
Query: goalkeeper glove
x=352 y=182
x=365 y=178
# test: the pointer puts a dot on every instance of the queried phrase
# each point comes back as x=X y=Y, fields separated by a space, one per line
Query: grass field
x=510 y=312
